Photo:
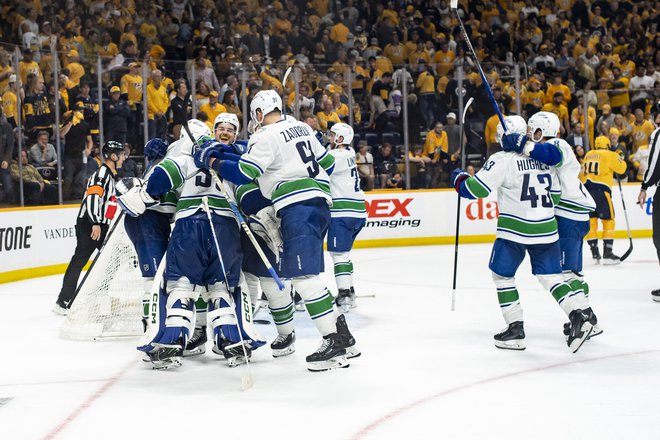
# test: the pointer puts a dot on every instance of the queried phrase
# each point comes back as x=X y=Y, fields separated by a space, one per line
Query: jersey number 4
x=307 y=156
x=529 y=191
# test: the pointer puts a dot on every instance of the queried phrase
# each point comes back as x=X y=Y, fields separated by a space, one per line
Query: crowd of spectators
x=355 y=59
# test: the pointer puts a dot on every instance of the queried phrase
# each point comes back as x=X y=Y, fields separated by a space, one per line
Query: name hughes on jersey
x=531 y=164
x=294 y=132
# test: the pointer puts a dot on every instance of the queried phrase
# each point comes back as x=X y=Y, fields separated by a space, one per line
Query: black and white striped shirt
x=100 y=188
x=652 y=175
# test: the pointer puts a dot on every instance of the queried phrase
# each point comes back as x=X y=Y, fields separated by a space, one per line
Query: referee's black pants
x=656 y=220
x=84 y=248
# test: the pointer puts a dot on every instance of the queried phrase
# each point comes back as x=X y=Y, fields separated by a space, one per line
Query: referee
x=92 y=223
x=651 y=178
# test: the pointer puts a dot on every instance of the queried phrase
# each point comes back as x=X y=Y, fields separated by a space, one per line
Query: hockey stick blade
x=467 y=106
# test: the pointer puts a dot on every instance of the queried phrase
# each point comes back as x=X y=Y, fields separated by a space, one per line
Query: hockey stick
x=246 y=379
x=458 y=207
x=240 y=219
x=625 y=214
x=120 y=217
x=454 y=7
x=286 y=76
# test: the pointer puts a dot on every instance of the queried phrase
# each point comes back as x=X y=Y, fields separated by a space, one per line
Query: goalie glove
x=132 y=196
x=266 y=224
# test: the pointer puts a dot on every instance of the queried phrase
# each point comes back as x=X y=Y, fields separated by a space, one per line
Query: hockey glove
x=136 y=200
x=155 y=149
x=457 y=177
x=204 y=154
x=514 y=142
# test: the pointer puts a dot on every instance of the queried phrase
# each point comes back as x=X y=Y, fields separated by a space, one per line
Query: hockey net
x=109 y=302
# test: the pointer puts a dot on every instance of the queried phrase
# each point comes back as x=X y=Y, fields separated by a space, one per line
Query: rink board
x=40 y=241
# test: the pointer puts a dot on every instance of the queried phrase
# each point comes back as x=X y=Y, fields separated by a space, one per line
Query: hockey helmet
x=267 y=101
x=227 y=118
x=602 y=143
x=112 y=147
x=344 y=131
x=547 y=122
x=198 y=129
x=514 y=124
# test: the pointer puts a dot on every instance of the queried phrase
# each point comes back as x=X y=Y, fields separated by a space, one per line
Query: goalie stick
x=240 y=219
x=246 y=379
x=625 y=214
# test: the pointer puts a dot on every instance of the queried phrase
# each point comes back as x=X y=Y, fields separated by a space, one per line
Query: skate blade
x=595 y=332
x=166 y=365
x=299 y=307
x=194 y=352
x=236 y=361
x=606 y=262
x=586 y=329
x=331 y=364
x=656 y=299
x=344 y=308
x=352 y=352
x=284 y=352
x=514 y=344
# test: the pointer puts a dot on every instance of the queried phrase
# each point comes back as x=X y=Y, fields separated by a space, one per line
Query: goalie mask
x=514 y=124
x=226 y=127
x=546 y=122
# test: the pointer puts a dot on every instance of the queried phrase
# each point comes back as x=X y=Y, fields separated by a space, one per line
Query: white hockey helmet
x=267 y=101
x=197 y=128
x=514 y=124
x=228 y=118
x=344 y=131
x=547 y=122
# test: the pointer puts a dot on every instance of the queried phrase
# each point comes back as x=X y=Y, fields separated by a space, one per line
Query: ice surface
x=426 y=372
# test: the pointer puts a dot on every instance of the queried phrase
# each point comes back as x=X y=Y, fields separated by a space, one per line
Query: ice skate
x=197 y=343
x=60 y=308
x=330 y=355
x=349 y=341
x=344 y=300
x=595 y=253
x=298 y=302
x=609 y=258
x=655 y=294
x=164 y=357
x=512 y=337
x=579 y=331
x=284 y=345
x=235 y=354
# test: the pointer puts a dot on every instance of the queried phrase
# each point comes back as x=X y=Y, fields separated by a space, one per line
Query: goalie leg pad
x=508 y=297
x=229 y=314
x=318 y=302
x=280 y=305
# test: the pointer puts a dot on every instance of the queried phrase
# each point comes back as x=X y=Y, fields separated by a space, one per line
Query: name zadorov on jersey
x=294 y=132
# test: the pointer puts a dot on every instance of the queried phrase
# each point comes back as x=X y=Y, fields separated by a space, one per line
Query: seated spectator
x=6 y=152
x=384 y=164
x=396 y=181
x=43 y=154
x=365 y=166
x=37 y=191
x=420 y=168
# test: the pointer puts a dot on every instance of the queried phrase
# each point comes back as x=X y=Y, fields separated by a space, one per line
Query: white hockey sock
x=318 y=302
x=343 y=269
x=252 y=282
x=579 y=287
x=508 y=297
x=280 y=305
x=561 y=291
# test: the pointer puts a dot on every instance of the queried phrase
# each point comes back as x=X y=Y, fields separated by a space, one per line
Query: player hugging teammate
x=543 y=209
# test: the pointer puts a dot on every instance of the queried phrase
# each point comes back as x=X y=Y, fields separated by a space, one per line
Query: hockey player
x=290 y=165
x=651 y=178
x=348 y=212
x=92 y=222
x=527 y=191
x=575 y=204
x=193 y=264
x=597 y=168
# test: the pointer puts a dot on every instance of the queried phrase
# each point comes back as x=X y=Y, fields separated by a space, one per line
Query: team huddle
x=292 y=193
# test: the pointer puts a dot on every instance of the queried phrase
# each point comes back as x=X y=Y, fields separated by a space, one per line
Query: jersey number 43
x=529 y=190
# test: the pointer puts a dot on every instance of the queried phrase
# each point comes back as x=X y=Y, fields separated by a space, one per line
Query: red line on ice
x=90 y=400
x=367 y=430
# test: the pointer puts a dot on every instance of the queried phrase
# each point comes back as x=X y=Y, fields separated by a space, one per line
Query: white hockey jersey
x=527 y=191
x=190 y=184
x=289 y=163
x=347 y=196
x=575 y=202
